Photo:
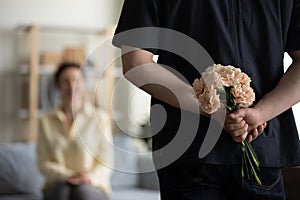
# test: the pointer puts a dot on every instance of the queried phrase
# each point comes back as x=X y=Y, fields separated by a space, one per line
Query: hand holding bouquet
x=228 y=86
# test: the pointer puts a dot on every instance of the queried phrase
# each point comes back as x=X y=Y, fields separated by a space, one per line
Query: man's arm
x=285 y=94
x=140 y=69
x=282 y=97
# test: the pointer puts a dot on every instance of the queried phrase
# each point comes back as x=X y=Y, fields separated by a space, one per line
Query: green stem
x=247 y=170
x=253 y=169
x=252 y=153
x=243 y=161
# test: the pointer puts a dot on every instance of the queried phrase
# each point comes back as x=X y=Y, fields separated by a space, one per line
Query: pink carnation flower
x=208 y=98
x=229 y=74
x=243 y=95
x=212 y=78
x=209 y=101
x=244 y=79
x=216 y=77
x=198 y=87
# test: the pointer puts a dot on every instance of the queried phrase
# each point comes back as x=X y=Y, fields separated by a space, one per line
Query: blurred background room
x=37 y=35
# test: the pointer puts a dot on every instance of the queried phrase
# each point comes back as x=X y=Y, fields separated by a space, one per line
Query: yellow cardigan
x=62 y=152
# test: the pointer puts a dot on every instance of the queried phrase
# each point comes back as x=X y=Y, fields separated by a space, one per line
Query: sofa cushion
x=20 y=197
x=18 y=170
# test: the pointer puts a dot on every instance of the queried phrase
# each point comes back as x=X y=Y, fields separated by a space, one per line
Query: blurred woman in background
x=74 y=145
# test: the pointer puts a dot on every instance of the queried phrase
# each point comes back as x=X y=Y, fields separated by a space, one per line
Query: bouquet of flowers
x=228 y=86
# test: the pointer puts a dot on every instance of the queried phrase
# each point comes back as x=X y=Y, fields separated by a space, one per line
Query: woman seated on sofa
x=74 y=148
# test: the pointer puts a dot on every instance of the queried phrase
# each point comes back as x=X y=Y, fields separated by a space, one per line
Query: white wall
x=8 y=86
x=296 y=108
x=82 y=13
x=91 y=14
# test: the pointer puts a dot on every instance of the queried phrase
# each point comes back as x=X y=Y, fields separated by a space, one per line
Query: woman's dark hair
x=61 y=68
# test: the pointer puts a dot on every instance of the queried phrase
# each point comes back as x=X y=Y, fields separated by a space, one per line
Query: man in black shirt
x=251 y=35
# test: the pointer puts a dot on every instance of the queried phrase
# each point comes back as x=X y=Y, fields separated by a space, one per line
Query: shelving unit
x=31 y=69
x=29 y=82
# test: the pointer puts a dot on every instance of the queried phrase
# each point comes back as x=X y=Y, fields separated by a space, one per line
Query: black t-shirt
x=251 y=35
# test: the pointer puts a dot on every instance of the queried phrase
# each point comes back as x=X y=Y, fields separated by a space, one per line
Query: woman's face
x=71 y=84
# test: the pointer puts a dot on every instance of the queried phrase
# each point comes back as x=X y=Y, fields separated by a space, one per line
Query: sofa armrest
x=18 y=170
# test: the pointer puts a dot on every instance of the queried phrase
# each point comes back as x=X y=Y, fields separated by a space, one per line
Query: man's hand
x=244 y=123
x=237 y=127
x=256 y=132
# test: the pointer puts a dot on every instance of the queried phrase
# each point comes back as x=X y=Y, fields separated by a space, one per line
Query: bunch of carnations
x=228 y=86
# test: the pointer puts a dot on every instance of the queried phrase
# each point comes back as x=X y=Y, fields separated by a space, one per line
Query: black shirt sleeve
x=293 y=41
x=135 y=23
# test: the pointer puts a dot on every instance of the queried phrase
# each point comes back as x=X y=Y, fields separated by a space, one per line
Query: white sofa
x=21 y=180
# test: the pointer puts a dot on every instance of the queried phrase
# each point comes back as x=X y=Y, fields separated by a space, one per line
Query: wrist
x=262 y=113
